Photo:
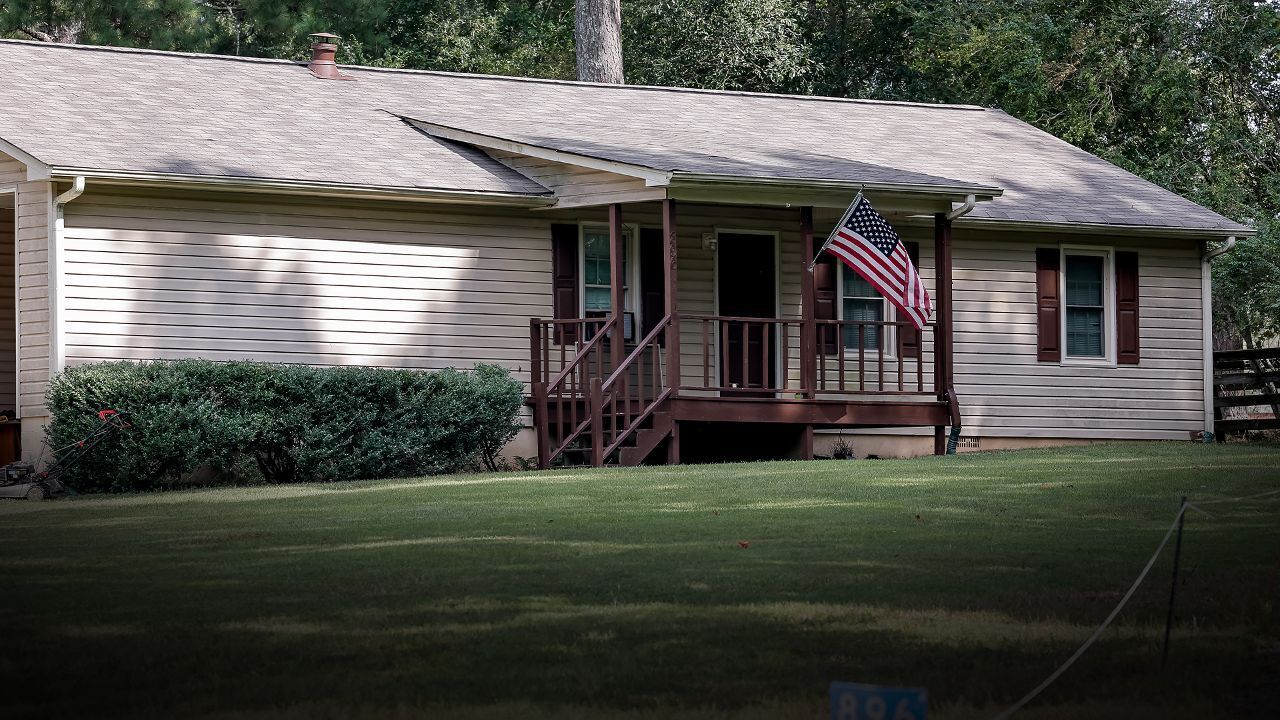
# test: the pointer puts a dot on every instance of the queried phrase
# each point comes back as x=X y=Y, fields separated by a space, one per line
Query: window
x=1086 y=291
x=595 y=270
x=596 y=276
x=860 y=301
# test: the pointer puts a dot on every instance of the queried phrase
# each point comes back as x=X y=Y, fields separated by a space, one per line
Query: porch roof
x=112 y=110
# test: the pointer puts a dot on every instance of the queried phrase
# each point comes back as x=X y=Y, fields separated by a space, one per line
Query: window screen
x=860 y=302
x=1085 y=306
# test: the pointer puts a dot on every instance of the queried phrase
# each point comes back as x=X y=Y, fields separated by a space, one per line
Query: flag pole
x=843 y=219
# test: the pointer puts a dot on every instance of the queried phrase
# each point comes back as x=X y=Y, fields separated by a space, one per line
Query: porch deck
x=603 y=395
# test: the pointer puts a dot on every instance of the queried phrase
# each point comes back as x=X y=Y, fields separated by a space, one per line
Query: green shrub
x=291 y=423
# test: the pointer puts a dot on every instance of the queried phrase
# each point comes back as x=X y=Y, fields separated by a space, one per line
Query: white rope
x=1239 y=499
x=1101 y=628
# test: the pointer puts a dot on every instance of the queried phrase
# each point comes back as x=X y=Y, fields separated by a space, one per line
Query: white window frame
x=889 y=338
x=1108 y=358
x=630 y=301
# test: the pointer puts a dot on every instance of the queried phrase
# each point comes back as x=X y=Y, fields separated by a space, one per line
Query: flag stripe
x=871 y=248
x=869 y=272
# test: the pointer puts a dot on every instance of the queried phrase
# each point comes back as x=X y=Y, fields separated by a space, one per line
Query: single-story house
x=638 y=256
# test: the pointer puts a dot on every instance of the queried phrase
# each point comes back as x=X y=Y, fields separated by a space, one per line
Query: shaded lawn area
x=625 y=593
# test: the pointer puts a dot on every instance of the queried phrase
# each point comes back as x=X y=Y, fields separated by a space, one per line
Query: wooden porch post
x=617 y=348
x=943 y=360
x=808 y=329
x=671 y=308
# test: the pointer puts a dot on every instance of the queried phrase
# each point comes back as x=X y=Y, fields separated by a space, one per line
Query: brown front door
x=747 y=288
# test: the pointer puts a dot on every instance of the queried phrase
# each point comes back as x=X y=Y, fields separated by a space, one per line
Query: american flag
x=871 y=247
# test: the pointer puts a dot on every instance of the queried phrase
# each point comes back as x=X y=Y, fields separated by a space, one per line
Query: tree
x=719 y=44
x=597 y=36
x=159 y=24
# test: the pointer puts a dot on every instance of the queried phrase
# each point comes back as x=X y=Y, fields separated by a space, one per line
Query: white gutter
x=304 y=187
x=969 y=203
x=1206 y=327
x=680 y=178
x=1158 y=231
x=57 y=319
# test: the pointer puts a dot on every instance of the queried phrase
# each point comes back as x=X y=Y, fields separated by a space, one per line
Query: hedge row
x=238 y=422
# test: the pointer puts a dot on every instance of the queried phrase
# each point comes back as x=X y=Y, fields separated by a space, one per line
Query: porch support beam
x=943 y=339
x=617 y=286
x=808 y=328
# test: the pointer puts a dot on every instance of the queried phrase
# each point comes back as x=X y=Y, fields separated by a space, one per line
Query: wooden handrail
x=640 y=347
x=582 y=353
x=1247 y=354
x=564 y=390
x=606 y=395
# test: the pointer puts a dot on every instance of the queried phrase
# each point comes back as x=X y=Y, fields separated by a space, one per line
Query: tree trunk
x=597 y=36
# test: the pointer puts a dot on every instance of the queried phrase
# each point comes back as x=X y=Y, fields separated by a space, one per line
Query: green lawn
x=626 y=593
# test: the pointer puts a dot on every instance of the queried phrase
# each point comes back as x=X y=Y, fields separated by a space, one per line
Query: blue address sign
x=854 y=701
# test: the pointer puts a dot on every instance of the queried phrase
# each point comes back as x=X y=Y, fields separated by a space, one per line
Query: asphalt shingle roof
x=143 y=111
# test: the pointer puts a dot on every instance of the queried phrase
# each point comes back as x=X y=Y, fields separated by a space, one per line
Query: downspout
x=57 y=322
x=969 y=203
x=953 y=439
x=1206 y=328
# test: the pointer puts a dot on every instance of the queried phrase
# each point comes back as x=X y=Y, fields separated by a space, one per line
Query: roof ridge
x=500 y=78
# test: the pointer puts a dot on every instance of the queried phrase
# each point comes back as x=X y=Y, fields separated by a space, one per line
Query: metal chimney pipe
x=324 y=48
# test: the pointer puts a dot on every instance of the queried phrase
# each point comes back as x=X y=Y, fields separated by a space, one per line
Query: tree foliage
x=1185 y=93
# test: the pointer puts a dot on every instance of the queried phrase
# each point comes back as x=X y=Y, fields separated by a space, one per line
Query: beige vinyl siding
x=12 y=172
x=1005 y=391
x=404 y=286
x=576 y=186
x=34 y=199
x=223 y=277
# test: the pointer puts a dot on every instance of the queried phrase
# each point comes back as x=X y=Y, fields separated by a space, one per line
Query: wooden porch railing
x=750 y=356
x=630 y=395
x=567 y=359
x=577 y=389
x=579 y=394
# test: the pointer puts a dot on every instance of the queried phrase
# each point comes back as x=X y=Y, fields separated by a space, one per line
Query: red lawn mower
x=22 y=480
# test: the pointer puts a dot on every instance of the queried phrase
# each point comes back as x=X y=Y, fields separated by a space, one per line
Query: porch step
x=646 y=440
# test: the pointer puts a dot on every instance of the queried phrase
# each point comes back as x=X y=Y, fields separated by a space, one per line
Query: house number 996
x=852 y=701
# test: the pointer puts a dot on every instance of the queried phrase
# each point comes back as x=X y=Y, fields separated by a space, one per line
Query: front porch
x=597 y=401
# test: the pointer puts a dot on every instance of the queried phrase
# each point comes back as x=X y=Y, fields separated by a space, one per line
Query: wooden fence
x=1246 y=390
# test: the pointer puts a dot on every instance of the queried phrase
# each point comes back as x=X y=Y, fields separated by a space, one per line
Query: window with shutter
x=909 y=336
x=1048 y=310
x=1127 y=351
x=597 y=275
x=564 y=279
x=825 y=293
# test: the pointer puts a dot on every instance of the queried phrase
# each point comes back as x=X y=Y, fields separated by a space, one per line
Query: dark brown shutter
x=564 y=279
x=1048 y=304
x=825 y=295
x=653 y=291
x=909 y=338
x=1127 y=308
